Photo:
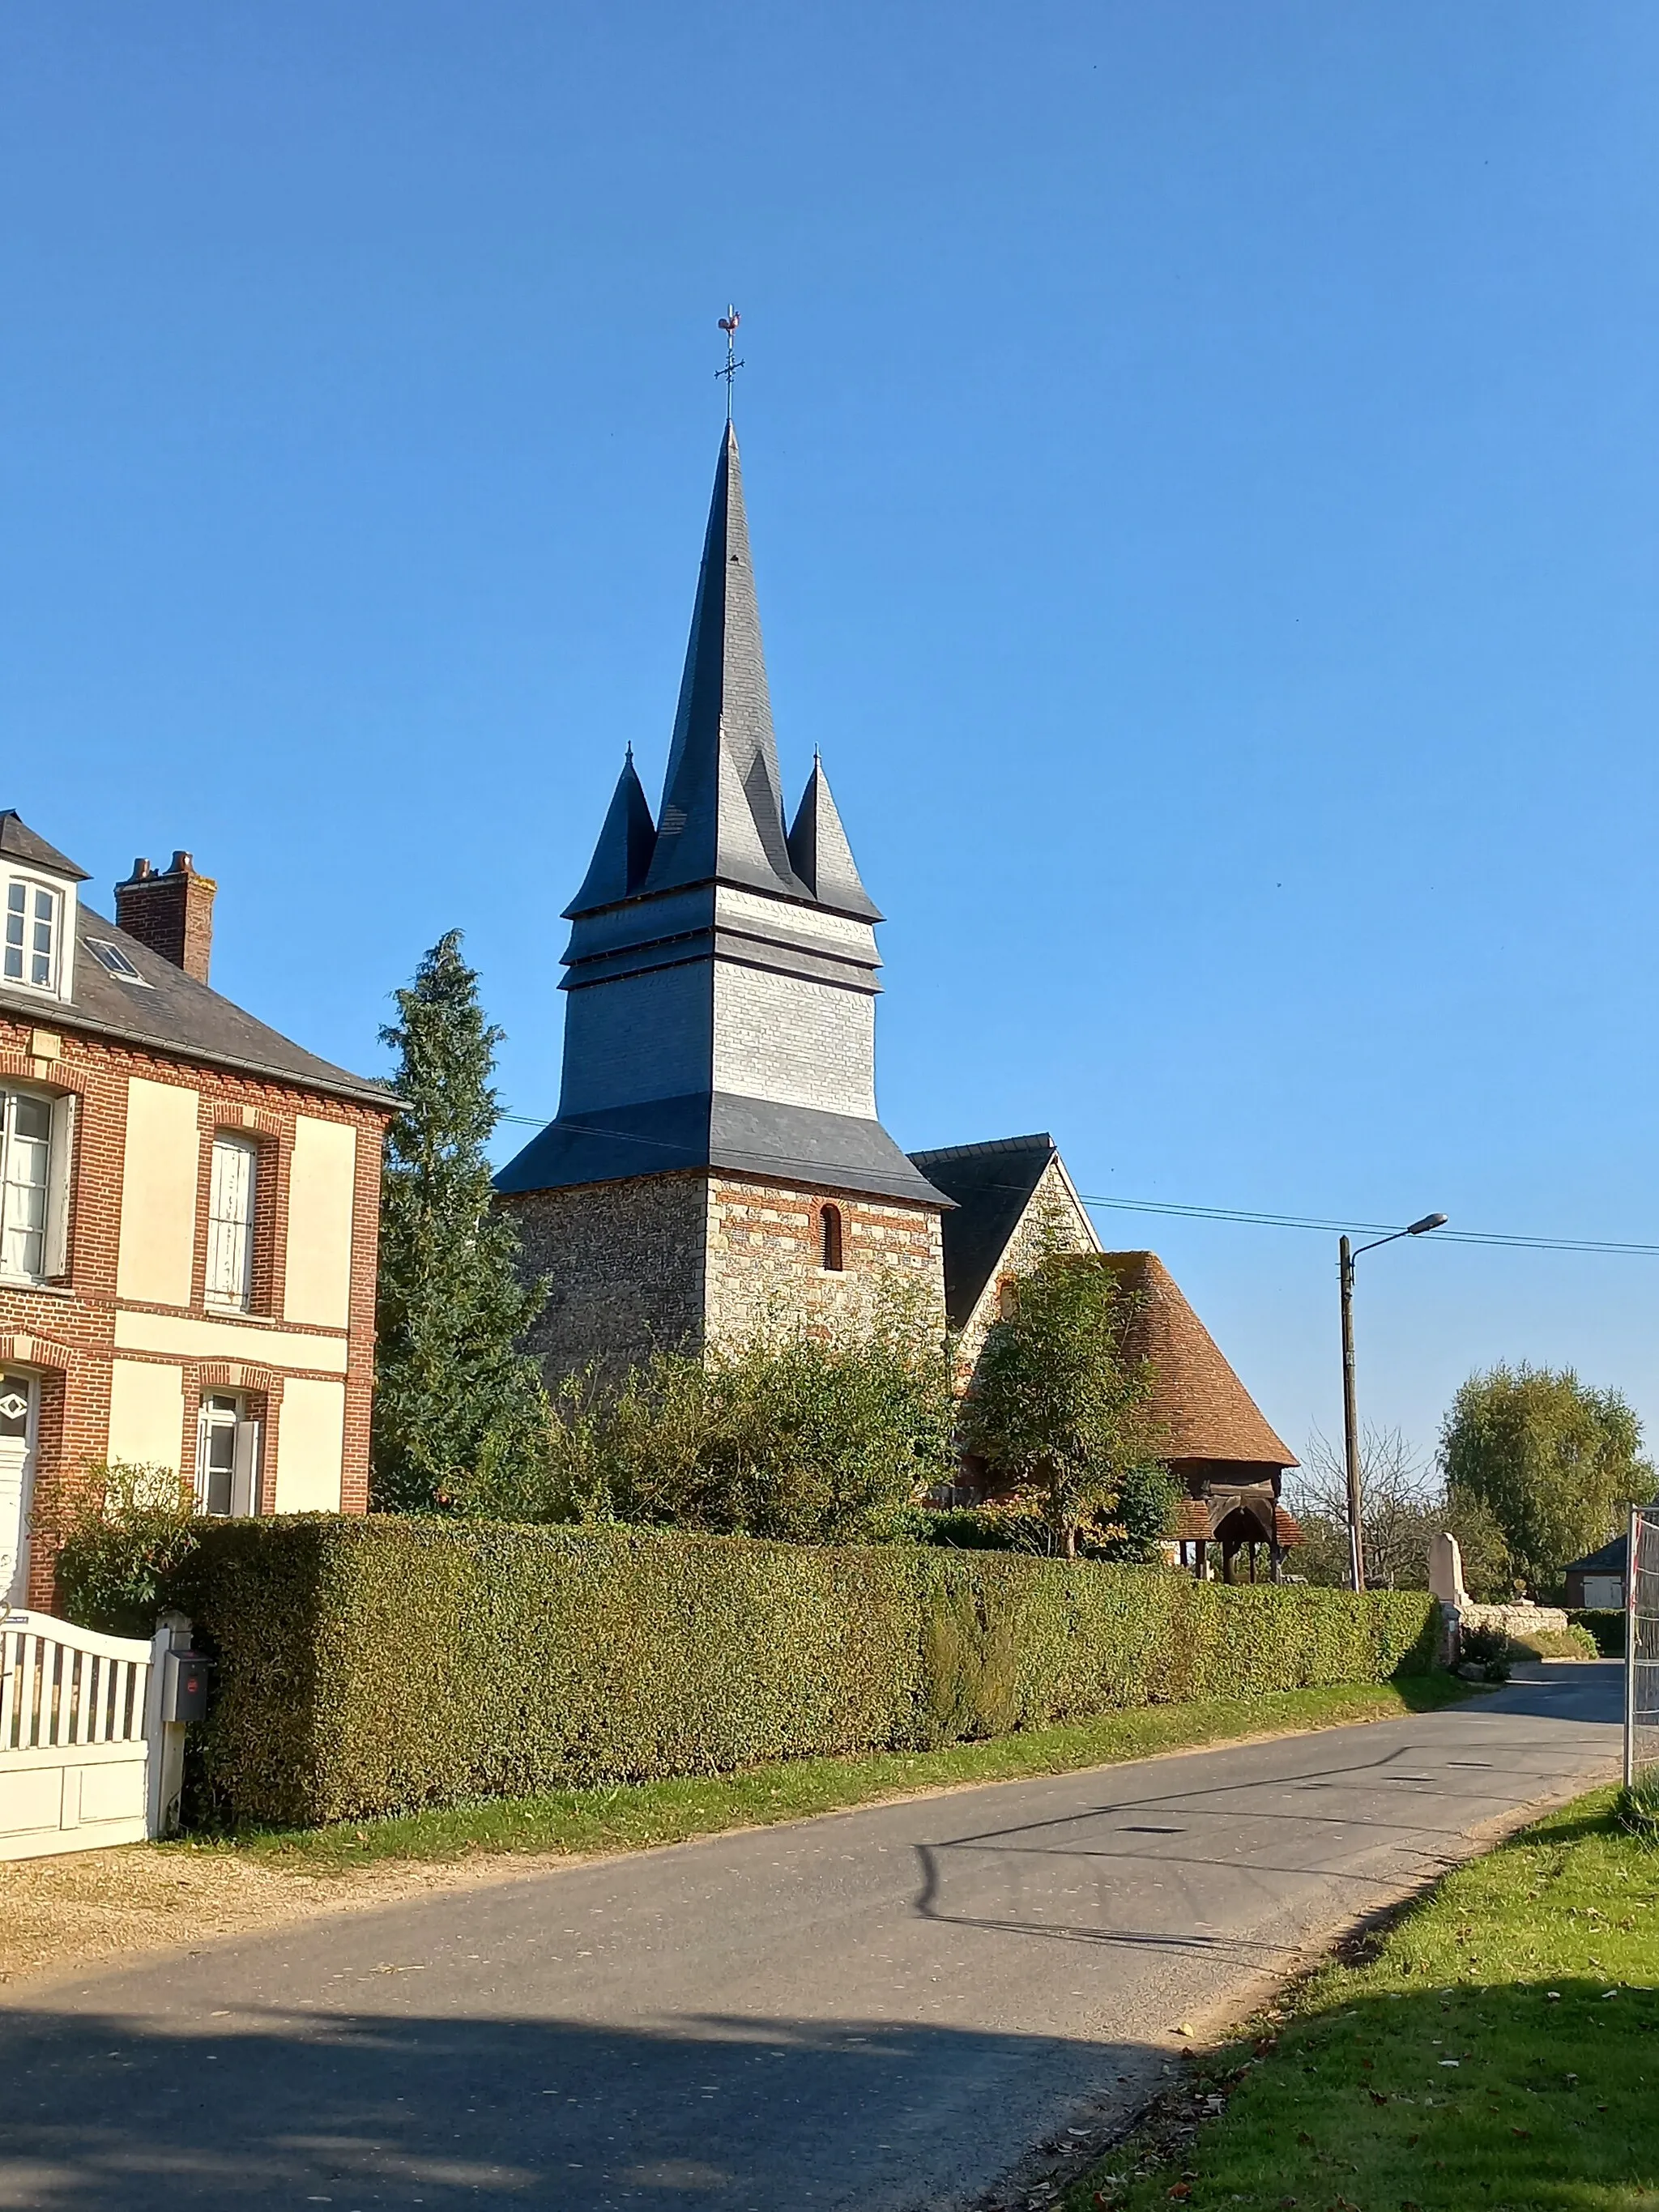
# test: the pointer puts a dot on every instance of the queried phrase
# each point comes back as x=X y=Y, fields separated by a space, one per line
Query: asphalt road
x=872 y=2011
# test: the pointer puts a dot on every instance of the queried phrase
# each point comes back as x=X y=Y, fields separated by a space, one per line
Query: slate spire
x=623 y=855
x=820 y=854
x=722 y=806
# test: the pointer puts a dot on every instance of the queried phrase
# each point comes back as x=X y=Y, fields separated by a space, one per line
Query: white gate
x=85 y=1757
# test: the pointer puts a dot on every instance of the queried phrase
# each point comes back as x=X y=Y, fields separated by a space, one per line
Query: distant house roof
x=992 y=1185
x=168 y=1011
x=1609 y=1560
x=1205 y=1411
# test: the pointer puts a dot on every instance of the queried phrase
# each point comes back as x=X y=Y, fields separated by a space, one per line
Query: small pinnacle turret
x=623 y=855
x=820 y=854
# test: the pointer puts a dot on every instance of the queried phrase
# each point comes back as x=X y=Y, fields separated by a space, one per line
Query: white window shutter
x=60 y=1174
x=244 y=1478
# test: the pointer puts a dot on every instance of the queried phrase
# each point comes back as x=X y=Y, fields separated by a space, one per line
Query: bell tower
x=718 y=1084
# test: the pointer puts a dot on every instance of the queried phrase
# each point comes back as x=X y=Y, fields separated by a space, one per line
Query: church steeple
x=623 y=854
x=720 y=976
x=721 y=818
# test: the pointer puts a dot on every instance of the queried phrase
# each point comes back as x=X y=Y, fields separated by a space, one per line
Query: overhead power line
x=1365 y=1228
x=1447 y=1235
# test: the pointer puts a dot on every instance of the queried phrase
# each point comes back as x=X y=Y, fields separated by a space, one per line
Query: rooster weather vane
x=729 y=322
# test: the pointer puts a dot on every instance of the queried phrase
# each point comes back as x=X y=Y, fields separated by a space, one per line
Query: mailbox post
x=178 y=1694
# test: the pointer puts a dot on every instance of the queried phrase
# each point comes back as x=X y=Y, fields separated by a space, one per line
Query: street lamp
x=1347 y=1257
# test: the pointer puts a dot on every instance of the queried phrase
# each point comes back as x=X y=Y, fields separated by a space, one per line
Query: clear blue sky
x=1202 y=469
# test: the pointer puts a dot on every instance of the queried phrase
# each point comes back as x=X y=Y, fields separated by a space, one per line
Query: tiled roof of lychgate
x=991 y=1184
x=168 y=1013
x=1205 y=1411
x=1197 y=1520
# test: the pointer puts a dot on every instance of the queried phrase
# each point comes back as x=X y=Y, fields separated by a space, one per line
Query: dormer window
x=37 y=912
x=32 y=950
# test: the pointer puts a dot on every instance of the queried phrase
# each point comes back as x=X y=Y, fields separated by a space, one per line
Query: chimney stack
x=171 y=912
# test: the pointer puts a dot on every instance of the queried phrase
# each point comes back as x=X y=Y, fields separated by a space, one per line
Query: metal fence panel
x=1642 y=1645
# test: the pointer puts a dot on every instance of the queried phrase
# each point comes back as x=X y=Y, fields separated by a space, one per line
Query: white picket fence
x=85 y=1757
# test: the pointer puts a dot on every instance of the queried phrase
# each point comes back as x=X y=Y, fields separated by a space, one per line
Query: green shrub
x=1129 y=1532
x=804 y=1436
x=1569 y=1643
x=1488 y=1650
x=1605 y=1625
x=121 y=1538
x=377 y=1666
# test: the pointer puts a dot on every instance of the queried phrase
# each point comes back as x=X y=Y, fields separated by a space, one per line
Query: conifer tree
x=454 y=1393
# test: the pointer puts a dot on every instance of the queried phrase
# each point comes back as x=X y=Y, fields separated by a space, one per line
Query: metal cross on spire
x=729 y=322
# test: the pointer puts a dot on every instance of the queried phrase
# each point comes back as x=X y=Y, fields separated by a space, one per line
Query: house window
x=34 y=932
x=227 y=1457
x=234 y=1188
x=230 y=1221
x=830 y=1233
x=35 y=1136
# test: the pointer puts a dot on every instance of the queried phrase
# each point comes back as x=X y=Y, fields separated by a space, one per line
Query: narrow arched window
x=830 y=1233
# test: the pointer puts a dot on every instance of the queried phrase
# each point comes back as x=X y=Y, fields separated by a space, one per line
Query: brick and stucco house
x=189 y=1210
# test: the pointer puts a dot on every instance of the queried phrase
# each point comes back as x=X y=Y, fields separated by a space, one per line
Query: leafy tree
x=454 y=1393
x=1405 y=1510
x=806 y=1437
x=1554 y=1462
x=1141 y=1520
x=1057 y=1405
x=120 y=1536
x=1131 y=1532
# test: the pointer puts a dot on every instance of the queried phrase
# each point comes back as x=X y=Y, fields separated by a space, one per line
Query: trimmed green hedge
x=1605 y=1624
x=376 y=1666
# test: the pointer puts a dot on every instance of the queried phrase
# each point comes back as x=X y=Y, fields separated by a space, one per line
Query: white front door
x=19 y=1398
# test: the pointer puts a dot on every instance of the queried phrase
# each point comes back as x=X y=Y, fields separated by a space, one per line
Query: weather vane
x=729 y=322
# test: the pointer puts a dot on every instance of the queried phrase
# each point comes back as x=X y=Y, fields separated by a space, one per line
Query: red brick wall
x=66 y=1332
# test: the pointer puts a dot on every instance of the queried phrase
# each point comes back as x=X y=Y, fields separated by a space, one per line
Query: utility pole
x=1345 y=1256
x=1351 y=1425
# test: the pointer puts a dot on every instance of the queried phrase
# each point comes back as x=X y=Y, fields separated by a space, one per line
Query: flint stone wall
x=675 y=1262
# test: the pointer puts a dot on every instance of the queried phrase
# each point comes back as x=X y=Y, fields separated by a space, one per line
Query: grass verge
x=1497 y=2047
x=633 y=1816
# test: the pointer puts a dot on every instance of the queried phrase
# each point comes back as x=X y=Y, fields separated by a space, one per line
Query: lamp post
x=1346 y=1257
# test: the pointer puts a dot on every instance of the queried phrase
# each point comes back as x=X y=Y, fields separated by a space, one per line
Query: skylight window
x=111 y=956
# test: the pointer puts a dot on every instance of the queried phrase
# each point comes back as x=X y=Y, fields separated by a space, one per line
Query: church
x=717 y=1164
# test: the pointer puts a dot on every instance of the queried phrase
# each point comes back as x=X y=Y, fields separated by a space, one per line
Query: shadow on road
x=353 y=2110
x=1253 y=1828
